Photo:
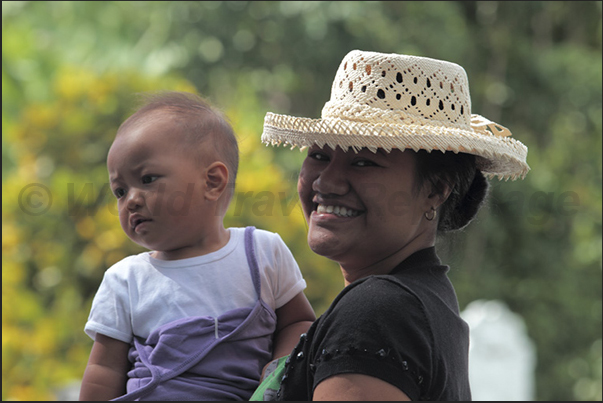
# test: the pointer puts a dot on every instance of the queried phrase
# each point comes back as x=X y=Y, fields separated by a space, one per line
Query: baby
x=200 y=315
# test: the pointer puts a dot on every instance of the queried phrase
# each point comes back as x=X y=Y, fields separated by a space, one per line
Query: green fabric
x=272 y=381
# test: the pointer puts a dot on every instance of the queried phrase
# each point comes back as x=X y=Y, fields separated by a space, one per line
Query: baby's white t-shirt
x=140 y=293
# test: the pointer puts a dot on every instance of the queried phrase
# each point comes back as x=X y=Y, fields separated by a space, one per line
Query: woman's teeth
x=337 y=210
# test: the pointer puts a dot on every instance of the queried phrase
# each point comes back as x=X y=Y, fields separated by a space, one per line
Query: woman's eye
x=319 y=156
x=365 y=163
x=148 y=179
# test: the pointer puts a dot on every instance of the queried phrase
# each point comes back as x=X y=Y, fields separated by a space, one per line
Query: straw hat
x=397 y=101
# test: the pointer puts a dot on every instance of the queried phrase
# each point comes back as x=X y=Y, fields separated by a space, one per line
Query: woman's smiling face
x=362 y=208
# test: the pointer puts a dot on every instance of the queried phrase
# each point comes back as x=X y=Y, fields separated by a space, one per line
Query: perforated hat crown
x=397 y=101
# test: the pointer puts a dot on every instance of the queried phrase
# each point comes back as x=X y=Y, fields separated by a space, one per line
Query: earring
x=435 y=213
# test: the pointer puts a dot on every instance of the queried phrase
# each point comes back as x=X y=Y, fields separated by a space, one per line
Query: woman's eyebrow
x=380 y=151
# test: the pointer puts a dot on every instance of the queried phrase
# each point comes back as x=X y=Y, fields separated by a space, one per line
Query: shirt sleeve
x=110 y=312
x=377 y=328
x=283 y=275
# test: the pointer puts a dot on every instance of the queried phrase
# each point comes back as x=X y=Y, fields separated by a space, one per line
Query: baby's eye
x=148 y=179
x=119 y=193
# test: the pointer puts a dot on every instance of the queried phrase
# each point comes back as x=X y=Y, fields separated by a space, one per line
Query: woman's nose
x=331 y=180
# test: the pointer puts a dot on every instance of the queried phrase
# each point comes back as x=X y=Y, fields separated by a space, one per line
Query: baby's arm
x=292 y=319
x=106 y=373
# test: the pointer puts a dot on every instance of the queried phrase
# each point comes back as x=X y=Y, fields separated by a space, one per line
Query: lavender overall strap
x=252 y=261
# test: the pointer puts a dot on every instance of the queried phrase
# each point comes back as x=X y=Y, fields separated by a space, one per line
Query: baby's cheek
x=161 y=205
x=123 y=221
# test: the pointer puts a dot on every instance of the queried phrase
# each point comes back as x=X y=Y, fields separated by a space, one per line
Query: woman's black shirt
x=403 y=328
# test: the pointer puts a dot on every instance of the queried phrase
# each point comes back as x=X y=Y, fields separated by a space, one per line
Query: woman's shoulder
x=377 y=298
x=379 y=290
x=373 y=318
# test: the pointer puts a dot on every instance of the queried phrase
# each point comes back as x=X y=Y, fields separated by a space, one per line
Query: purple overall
x=205 y=358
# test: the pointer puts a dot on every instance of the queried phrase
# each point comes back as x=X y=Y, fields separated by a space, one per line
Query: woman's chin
x=326 y=245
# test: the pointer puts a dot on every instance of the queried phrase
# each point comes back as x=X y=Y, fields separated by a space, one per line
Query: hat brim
x=496 y=156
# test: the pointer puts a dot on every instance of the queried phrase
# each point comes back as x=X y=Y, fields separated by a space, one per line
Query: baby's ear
x=216 y=178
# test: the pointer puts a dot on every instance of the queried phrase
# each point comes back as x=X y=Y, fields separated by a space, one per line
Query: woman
x=396 y=158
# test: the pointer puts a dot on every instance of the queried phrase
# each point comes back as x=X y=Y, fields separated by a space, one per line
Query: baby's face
x=158 y=186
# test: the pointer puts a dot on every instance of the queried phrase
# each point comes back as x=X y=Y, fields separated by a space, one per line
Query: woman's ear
x=439 y=193
x=216 y=179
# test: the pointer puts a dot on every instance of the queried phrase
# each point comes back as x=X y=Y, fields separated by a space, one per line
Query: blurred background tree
x=70 y=71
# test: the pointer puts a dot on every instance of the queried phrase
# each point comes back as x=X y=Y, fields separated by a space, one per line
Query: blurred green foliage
x=70 y=71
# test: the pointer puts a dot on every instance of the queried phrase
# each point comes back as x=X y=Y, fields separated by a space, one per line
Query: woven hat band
x=368 y=114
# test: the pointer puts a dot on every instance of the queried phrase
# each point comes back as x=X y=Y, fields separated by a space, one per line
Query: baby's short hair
x=199 y=122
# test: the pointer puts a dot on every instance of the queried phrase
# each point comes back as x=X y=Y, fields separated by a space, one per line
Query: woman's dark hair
x=459 y=172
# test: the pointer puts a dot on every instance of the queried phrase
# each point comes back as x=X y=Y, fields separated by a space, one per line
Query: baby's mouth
x=137 y=221
x=339 y=211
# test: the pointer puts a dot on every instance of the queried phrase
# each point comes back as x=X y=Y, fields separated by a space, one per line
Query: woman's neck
x=355 y=271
